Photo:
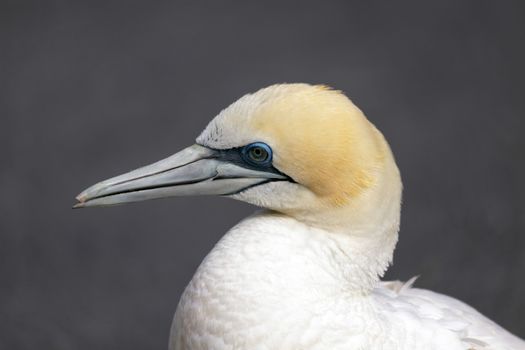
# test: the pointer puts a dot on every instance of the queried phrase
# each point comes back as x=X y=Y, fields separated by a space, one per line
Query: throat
x=275 y=253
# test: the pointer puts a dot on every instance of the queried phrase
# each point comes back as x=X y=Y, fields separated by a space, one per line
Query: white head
x=305 y=151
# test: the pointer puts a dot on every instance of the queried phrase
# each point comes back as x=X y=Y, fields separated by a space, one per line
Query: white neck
x=275 y=268
x=295 y=256
x=352 y=260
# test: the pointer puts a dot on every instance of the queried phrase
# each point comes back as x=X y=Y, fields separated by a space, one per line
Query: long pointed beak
x=196 y=170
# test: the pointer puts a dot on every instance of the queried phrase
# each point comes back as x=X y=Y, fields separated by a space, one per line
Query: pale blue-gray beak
x=196 y=170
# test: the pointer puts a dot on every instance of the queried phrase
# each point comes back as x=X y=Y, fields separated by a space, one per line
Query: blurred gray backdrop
x=89 y=90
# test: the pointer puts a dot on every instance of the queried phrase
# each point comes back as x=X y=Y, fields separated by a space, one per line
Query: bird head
x=303 y=150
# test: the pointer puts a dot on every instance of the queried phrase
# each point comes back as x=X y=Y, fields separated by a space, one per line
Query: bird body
x=305 y=272
x=306 y=294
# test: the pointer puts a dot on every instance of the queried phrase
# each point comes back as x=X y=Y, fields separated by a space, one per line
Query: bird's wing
x=429 y=309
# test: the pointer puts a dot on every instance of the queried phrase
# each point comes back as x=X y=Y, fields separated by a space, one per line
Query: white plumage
x=274 y=283
x=305 y=273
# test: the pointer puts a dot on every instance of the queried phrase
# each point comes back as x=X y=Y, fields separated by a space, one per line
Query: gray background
x=91 y=90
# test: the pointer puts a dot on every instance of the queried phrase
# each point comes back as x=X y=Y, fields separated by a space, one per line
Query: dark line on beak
x=146 y=188
x=255 y=185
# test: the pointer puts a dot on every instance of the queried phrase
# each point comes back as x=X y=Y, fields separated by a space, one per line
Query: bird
x=304 y=271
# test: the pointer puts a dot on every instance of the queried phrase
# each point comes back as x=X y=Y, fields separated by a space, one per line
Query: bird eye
x=257 y=153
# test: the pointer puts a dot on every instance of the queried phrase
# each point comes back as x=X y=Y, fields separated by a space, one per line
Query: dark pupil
x=257 y=153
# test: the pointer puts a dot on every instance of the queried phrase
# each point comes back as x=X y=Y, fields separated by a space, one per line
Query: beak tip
x=78 y=206
x=82 y=197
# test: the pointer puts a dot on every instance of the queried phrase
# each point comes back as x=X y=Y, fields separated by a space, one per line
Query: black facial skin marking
x=234 y=156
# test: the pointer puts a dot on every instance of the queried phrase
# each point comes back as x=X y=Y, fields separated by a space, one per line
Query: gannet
x=303 y=273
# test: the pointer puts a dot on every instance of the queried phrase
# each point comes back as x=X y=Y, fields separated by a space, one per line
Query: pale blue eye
x=257 y=153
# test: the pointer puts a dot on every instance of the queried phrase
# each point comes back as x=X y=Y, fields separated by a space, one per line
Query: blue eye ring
x=257 y=154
